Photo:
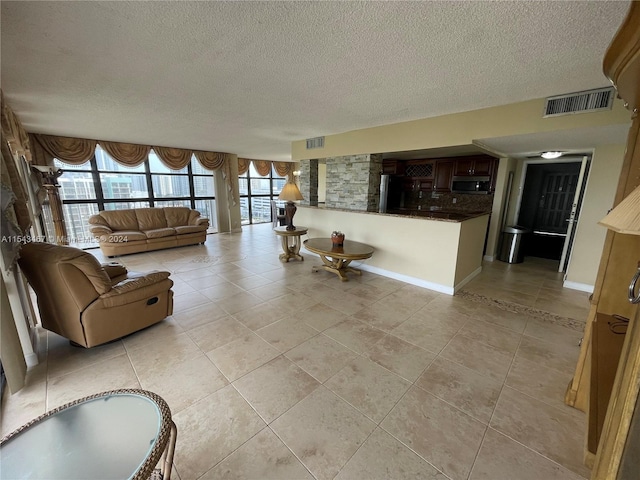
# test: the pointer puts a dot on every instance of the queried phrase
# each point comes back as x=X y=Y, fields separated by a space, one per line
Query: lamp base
x=289 y=211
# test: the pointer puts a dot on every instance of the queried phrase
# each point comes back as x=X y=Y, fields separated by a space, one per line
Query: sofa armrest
x=114 y=269
x=201 y=221
x=99 y=230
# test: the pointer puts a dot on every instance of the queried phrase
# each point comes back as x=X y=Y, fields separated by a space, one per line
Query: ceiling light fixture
x=550 y=155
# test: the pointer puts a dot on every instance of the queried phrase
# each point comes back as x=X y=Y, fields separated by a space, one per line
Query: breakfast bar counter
x=434 y=249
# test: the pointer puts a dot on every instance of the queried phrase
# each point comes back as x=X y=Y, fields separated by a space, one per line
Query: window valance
x=263 y=167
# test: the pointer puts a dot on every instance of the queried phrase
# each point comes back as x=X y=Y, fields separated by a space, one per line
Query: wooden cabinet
x=611 y=447
x=443 y=175
x=393 y=167
x=420 y=168
x=481 y=165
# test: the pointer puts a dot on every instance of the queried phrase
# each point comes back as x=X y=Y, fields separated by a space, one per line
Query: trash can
x=511 y=250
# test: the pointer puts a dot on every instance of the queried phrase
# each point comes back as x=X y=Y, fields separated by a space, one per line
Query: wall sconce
x=296 y=173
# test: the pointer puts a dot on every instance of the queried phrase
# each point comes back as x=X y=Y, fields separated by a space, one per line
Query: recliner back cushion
x=150 y=218
x=121 y=219
x=177 y=216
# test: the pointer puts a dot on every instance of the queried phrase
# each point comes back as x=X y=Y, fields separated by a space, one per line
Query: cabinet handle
x=633 y=298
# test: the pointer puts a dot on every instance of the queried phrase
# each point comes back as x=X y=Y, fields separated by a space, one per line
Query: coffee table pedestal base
x=338 y=266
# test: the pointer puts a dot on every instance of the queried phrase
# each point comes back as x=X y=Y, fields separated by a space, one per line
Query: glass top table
x=112 y=435
x=336 y=259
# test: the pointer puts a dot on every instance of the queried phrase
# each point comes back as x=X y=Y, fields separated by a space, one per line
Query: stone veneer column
x=309 y=182
x=353 y=182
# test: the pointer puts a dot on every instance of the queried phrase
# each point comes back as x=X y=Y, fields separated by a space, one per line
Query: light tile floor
x=274 y=372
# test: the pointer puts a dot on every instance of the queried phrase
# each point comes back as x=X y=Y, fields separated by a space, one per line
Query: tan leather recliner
x=91 y=303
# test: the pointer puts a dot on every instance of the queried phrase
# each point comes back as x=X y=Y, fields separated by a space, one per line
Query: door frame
x=584 y=175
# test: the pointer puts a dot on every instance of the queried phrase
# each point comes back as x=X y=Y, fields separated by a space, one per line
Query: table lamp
x=290 y=193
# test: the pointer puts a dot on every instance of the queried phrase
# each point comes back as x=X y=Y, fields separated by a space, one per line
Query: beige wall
x=603 y=178
x=456 y=129
x=470 y=247
x=419 y=251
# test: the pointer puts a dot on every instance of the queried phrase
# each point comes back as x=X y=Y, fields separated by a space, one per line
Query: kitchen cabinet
x=393 y=167
x=420 y=168
x=474 y=166
x=443 y=175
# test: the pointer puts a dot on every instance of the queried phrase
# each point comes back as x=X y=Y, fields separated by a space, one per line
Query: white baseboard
x=418 y=282
x=583 y=287
x=473 y=275
x=489 y=258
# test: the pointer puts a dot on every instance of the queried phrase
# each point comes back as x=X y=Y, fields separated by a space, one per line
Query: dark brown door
x=556 y=200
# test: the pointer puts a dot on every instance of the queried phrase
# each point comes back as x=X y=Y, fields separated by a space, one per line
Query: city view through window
x=103 y=184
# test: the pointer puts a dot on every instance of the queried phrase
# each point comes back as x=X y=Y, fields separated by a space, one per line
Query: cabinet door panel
x=483 y=166
x=444 y=175
x=463 y=166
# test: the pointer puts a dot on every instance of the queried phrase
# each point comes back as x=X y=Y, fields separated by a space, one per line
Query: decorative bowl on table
x=337 y=238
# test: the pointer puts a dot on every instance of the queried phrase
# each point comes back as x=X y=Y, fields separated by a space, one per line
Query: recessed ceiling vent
x=579 y=102
x=317 y=142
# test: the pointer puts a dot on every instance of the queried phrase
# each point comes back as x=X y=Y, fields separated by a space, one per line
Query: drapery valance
x=75 y=151
x=129 y=154
x=174 y=158
x=263 y=167
x=212 y=160
x=243 y=165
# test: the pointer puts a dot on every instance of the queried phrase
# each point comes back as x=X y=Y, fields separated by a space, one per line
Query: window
x=103 y=184
x=256 y=193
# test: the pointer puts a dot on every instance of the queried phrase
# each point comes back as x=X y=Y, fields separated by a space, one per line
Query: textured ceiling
x=250 y=77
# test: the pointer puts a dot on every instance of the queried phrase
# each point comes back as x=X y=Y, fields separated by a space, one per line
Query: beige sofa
x=91 y=303
x=143 y=229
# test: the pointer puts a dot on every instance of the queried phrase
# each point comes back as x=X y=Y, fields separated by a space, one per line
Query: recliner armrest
x=114 y=269
x=135 y=282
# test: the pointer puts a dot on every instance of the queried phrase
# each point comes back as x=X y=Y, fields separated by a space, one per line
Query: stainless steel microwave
x=478 y=185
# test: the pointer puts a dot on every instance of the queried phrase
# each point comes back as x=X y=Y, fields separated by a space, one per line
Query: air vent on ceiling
x=579 y=102
x=317 y=142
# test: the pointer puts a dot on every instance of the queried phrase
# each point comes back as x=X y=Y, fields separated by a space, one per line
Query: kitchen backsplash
x=445 y=201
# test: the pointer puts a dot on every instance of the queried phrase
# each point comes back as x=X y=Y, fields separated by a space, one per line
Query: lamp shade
x=625 y=217
x=290 y=193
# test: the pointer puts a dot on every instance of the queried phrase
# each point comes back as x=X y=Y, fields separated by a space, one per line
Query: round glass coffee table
x=112 y=435
x=336 y=259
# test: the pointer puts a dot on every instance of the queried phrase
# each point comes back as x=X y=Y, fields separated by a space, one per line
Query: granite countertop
x=438 y=214
x=446 y=215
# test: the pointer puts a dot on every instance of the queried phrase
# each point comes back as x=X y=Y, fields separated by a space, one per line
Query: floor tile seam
x=288 y=350
x=557 y=408
x=483 y=422
x=426 y=460
x=570 y=374
x=512 y=387
x=83 y=367
x=232 y=452
x=292 y=452
x=531 y=449
x=498 y=350
x=504 y=381
x=493 y=410
x=281 y=414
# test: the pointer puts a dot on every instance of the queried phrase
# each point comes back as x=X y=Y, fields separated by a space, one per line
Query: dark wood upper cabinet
x=474 y=166
x=393 y=167
x=444 y=175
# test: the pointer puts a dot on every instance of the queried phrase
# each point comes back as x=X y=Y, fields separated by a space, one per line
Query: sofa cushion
x=123 y=236
x=190 y=229
x=151 y=218
x=160 y=232
x=177 y=216
x=121 y=219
